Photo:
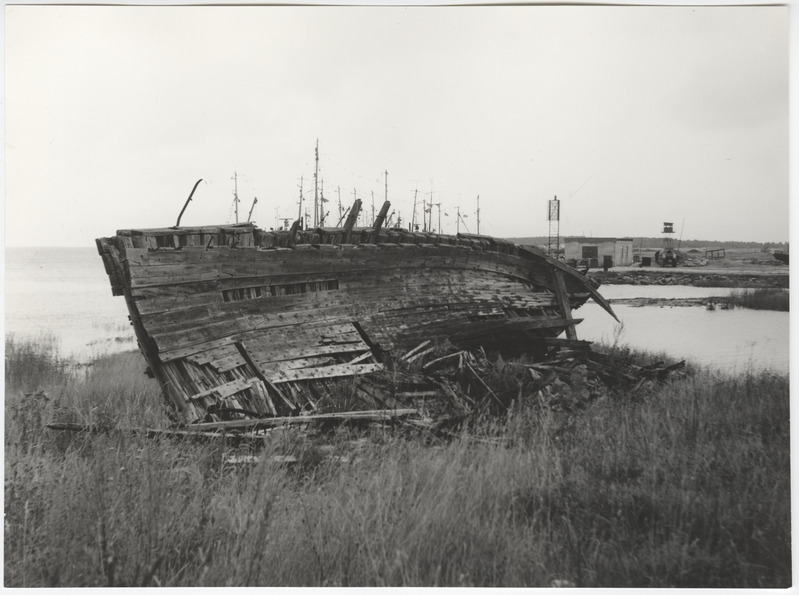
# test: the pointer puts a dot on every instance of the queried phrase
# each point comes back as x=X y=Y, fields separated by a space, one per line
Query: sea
x=63 y=296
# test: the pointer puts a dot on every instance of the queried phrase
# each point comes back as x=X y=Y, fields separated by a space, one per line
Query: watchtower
x=667 y=256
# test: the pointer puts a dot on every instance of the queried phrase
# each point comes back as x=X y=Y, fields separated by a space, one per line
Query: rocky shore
x=666 y=302
x=697 y=278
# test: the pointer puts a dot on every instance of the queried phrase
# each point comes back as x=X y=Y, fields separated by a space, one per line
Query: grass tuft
x=30 y=363
x=758 y=299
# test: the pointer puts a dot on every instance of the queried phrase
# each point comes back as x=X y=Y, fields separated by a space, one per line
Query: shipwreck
x=239 y=323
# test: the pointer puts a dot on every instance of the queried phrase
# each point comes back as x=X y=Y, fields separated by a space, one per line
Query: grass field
x=684 y=484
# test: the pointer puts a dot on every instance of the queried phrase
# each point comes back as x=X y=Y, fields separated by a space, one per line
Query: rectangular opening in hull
x=279 y=289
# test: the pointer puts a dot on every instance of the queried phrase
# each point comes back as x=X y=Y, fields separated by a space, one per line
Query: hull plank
x=236 y=322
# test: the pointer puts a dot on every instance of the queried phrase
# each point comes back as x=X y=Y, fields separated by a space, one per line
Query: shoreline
x=708 y=302
x=743 y=279
x=661 y=302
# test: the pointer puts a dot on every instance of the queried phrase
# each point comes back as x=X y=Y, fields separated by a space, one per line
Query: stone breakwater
x=747 y=280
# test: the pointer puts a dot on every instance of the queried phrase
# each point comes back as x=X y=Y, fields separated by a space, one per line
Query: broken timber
x=210 y=429
x=450 y=388
x=240 y=324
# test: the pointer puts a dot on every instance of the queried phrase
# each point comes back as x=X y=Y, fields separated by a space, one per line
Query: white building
x=598 y=252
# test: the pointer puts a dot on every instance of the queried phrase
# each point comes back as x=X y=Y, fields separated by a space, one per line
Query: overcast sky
x=631 y=115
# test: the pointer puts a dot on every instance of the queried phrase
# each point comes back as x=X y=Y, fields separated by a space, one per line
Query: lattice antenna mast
x=553 y=215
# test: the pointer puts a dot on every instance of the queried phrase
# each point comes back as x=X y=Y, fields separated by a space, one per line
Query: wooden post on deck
x=563 y=303
x=351 y=219
x=293 y=232
x=381 y=217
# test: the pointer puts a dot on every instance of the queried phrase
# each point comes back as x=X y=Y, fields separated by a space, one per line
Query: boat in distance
x=237 y=322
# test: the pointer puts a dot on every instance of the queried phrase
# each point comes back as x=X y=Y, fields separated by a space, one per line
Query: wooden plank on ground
x=416 y=349
x=371 y=415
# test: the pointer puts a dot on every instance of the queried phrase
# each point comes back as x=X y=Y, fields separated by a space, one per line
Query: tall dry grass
x=684 y=485
x=759 y=299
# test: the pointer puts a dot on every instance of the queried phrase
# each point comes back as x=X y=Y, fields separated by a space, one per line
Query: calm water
x=66 y=293
x=729 y=340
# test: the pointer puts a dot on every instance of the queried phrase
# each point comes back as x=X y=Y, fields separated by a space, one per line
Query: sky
x=630 y=115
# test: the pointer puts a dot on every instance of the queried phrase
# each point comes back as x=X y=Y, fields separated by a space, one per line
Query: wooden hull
x=234 y=320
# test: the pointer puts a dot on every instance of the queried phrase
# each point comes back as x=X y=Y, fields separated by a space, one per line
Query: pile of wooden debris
x=464 y=383
x=434 y=386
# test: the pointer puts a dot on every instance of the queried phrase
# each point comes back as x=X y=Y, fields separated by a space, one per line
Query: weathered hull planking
x=238 y=322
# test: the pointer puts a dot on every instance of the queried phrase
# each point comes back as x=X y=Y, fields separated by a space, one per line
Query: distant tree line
x=657 y=241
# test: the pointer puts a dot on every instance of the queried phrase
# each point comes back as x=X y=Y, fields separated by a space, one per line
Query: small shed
x=596 y=252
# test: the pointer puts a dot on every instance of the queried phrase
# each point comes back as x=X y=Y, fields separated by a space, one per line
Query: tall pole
x=236 y=195
x=299 y=212
x=340 y=208
x=316 y=188
x=428 y=221
x=413 y=217
x=557 y=246
x=478 y=214
x=322 y=214
x=373 y=207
